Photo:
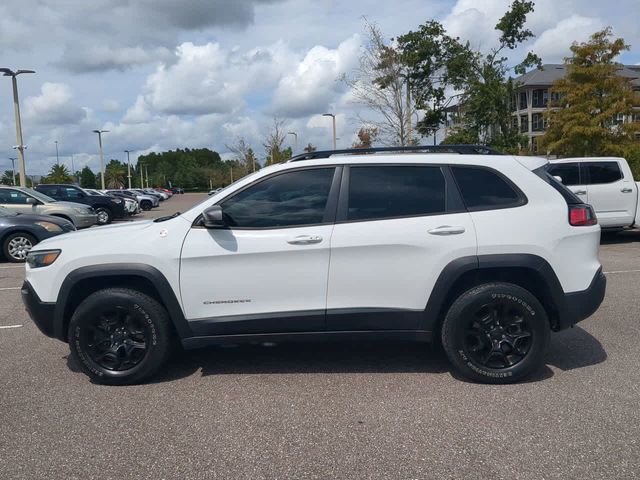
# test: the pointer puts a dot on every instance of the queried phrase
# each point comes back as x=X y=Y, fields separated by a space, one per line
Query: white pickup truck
x=604 y=182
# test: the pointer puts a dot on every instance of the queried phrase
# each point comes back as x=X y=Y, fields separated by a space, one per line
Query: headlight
x=82 y=211
x=49 y=227
x=116 y=200
x=42 y=258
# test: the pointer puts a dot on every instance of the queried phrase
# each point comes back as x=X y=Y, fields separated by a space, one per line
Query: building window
x=538 y=123
x=523 y=101
x=540 y=98
x=619 y=119
x=555 y=96
x=635 y=117
x=514 y=122
x=534 y=145
x=524 y=124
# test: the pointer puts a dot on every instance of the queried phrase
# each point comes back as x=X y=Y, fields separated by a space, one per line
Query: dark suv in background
x=106 y=207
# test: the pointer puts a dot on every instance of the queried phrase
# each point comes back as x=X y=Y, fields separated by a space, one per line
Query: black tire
x=146 y=205
x=120 y=336
x=105 y=216
x=16 y=246
x=496 y=333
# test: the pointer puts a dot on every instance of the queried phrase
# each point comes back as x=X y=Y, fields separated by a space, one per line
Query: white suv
x=485 y=253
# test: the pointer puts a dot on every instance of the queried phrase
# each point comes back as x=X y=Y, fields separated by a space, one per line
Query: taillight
x=582 y=215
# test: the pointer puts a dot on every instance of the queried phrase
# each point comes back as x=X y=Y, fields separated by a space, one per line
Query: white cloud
x=53 y=106
x=553 y=44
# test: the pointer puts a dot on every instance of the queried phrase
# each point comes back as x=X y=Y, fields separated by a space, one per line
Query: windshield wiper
x=164 y=219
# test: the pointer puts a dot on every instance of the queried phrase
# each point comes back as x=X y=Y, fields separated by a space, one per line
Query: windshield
x=5 y=212
x=40 y=196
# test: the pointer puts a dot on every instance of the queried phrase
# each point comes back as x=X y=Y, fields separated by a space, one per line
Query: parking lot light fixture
x=16 y=105
x=295 y=135
x=333 y=117
x=100 y=132
x=13 y=169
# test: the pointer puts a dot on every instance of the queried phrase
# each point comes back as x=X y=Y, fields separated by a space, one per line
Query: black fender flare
x=140 y=270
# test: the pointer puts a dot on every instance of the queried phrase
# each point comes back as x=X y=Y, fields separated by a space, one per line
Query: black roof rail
x=461 y=149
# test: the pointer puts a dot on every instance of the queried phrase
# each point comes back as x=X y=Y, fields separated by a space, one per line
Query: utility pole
x=141 y=177
x=333 y=117
x=100 y=132
x=57 y=156
x=231 y=174
x=73 y=170
x=128 y=168
x=146 y=171
x=296 y=141
x=16 y=105
x=13 y=169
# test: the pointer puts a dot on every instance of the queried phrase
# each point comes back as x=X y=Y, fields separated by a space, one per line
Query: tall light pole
x=128 y=167
x=73 y=170
x=141 y=177
x=57 y=157
x=100 y=132
x=13 y=169
x=333 y=117
x=146 y=172
x=16 y=105
x=296 y=141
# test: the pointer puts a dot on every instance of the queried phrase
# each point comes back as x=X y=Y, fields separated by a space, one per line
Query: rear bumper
x=42 y=313
x=581 y=305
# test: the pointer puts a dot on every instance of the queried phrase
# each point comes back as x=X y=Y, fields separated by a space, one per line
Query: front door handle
x=305 y=240
x=446 y=230
x=580 y=192
x=626 y=190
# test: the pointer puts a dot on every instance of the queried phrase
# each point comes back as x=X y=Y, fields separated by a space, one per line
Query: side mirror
x=559 y=178
x=212 y=217
x=32 y=201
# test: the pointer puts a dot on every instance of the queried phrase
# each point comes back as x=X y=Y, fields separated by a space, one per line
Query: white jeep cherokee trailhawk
x=485 y=253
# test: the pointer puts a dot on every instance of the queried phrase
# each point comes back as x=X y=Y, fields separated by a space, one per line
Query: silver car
x=27 y=200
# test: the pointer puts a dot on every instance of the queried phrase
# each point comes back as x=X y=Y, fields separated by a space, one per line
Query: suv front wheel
x=104 y=215
x=496 y=333
x=120 y=336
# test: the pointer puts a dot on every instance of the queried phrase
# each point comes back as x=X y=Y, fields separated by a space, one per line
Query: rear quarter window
x=486 y=189
x=602 y=172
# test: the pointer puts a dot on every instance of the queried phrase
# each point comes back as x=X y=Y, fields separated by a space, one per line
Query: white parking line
x=10 y=288
x=623 y=271
x=10 y=326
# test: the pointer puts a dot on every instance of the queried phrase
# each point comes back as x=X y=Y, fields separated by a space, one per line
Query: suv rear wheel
x=17 y=245
x=120 y=336
x=496 y=333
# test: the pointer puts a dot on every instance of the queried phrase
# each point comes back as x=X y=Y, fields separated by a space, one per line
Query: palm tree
x=115 y=174
x=59 y=174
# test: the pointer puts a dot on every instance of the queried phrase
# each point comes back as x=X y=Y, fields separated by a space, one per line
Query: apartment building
x=533 y=94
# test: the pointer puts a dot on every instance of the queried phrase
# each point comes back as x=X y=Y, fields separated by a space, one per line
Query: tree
x=592 y=98
x=115 y=174
x=380 y=84
x=366 y=136
x=273 y=143
x=87 y=178
x=7 y=178
x=309 y=148
x=58 y=174
x=244 y=155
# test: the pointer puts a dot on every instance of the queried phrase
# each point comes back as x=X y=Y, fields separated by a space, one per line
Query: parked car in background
x=606 y=183
x=146 y=202
x=164 y=190
x=130 y=203
x=164 y=195
x=148 y=191
x=20 y=232
x=177 y=190
x=27 y=200
x=106 y=208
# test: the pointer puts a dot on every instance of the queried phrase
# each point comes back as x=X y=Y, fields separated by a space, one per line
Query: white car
x=486 y=254
x=606 y=183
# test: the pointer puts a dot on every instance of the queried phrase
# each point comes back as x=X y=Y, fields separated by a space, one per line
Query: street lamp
x=57 y=157
x=128 y=167
x=296 y=141
x=100 y=132
x=13 y=169
x=16 y=105
x=141 y=177
x=333 y=117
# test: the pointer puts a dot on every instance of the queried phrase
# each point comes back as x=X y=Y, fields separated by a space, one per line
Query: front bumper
x=581 y=305
x=42 y=313
x=84 y=221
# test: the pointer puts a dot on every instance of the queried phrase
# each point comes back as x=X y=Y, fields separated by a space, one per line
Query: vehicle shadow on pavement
x=575 y=348
x=625 y=236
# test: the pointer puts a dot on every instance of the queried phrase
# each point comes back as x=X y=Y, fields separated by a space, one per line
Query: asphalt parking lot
x=329 y=411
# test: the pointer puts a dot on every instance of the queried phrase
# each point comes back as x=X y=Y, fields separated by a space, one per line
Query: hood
x=28 y=219
x=74 y=205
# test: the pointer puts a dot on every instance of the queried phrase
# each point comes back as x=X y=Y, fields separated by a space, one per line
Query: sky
x=167 y=74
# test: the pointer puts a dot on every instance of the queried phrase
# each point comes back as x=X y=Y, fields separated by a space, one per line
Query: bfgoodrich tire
x=496 y=333
x=120 y=336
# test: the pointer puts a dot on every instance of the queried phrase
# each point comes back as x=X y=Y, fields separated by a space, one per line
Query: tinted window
x=294 y=198
x=569 y=172
x=603 y=172
x=387 y=192
x=13 y=197
x=482 y=188
x=72 y=192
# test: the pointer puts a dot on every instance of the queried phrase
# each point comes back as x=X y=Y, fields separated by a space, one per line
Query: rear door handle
x=446 y=230
x=580 y=192
x=626 y=190
x=305 y=240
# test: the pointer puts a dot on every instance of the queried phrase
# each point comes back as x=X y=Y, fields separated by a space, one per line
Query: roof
x=551 y=72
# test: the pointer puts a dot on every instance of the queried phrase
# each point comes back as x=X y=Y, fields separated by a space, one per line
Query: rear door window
x=602 y=172
x=568 y=172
